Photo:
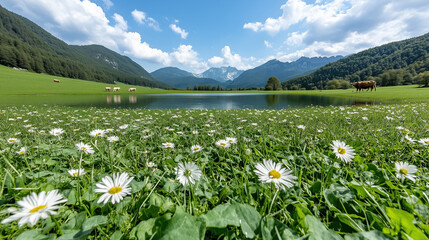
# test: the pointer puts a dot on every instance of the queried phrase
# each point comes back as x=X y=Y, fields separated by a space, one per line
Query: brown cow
x=107 y=89
x=56 y=80
x=131 y=89
x=365 y=85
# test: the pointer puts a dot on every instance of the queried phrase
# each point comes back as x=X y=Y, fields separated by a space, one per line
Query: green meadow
x=374 y=185
x=15 y=82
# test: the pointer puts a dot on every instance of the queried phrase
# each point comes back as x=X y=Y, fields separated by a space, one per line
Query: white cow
x=116 y=89
x=131 y=89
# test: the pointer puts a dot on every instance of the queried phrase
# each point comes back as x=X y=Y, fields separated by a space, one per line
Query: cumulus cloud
x=120 y=22
x=182 y=32
x=268 y=44
x=345 y=26
x=107 y=3
x=141 y=18
x=230 y=59
x=185 y=55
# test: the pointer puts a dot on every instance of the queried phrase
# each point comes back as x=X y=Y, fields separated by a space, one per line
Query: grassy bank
x=368 y=197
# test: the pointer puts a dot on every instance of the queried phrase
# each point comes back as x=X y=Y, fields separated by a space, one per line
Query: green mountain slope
x=257 y=77
x=26 y=45
x=411 y=56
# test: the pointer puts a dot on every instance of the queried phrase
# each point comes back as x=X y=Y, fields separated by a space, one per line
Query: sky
x=195 y=35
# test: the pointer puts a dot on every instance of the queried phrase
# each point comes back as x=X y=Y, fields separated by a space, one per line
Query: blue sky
x=195 y=35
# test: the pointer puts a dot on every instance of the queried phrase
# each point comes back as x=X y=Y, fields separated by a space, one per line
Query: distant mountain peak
x=221 y=74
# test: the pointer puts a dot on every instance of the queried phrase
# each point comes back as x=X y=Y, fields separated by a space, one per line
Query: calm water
x=189 y=101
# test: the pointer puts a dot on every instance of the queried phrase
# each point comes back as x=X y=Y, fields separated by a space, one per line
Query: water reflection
x=189 y=101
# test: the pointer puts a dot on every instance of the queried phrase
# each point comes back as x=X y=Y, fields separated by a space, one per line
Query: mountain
x=257 y=77
x=403 y=59
x=182 y=79
x=24 y=44
x=221 y=74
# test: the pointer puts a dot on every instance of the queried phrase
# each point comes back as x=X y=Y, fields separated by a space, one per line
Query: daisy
x=113 y=139
x=424 y=141
x=405 y=170
x=168 y=145
x=125 y=126
x=116 y=188
x=409 y=139
x=196 y=148
x=301 y=127
x=187 y=173
x=151 y=164
x=13 y=140
x=22 y=151
x=77 y=172
x=231 y=140
x=56 y=131
x=223 y=143
x=86 y=148
x=97 y=133
x=36 y=206
x=271 y=172
x=343 y=151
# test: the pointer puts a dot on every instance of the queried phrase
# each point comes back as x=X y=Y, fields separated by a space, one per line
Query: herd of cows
x=358 y=85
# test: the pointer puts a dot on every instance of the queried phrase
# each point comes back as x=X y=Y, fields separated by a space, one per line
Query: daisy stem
x=272 y=202
x=5 y=159
x=184 y=198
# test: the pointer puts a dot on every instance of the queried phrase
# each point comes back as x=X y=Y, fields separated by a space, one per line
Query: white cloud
x=268 y=44
x=186 y=56
x=182 y=32
x=231 y=59
x=120 y=22
x=141 y=18
x=344 y=26
x=108 y=3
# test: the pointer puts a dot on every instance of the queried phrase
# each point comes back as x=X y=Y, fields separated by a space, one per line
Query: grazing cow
x=131 y=89
x=107 y=89
x=116 y=89
x=365 y=85
x=56 y=80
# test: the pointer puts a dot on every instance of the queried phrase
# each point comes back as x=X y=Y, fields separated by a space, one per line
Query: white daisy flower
x=151 y=164
x=223 y=143
x=56 y=131
x=409 y=139
x=196 y=148
x=22 y=151
x=187 y=173
x=231 y=140
x=424 y=141
x=13 y=140
x=168 y=145
x=86 y=148
x=301 y=127
x=77 y=172
x=405 y=170
x=125 y=126
x=271 y=172
x=97 y=133
x=343 y=151
x=36 y=206
x=115 y=188
x=113 y=139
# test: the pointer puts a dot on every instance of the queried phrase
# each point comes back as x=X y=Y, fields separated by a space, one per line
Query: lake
x=189 y=101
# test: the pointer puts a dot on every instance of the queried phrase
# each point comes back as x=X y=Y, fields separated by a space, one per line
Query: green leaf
x=146 y=229
x=137 y=186
x=337 y=195
x=74 y=223
x=317 y=230
x=117 y=235
x=271 y=228
x=93 y=222
x=403 y=221
x=368 y=236
x=236 y=215
x=32 y=234
x=183 y=226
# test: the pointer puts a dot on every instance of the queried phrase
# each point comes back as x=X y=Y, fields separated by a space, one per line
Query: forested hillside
x=391 y=64
x=23 y=44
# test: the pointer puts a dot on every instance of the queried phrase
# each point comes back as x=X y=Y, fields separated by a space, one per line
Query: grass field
x=326 y=192
x=14 y=82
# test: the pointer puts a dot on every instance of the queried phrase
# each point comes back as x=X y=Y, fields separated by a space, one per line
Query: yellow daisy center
x=403 y=171
x=36 y=209
x=83 y=148
x=75 y=174
x=115 y=190
x=274 y=174
x=427 y=141
x=341 y=150
x=197 y=148
x=21 y=152
x=11 y=140
x=223 y=144
x=97 y=134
